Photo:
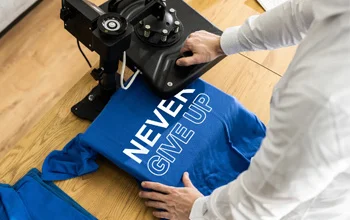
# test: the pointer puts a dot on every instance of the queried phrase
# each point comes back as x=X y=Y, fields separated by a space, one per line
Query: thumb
x=189 y=61
x=186 y=180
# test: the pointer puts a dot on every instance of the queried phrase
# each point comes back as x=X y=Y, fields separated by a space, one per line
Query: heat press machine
x=146 y=34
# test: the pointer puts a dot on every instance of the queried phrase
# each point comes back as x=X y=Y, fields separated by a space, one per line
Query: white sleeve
x=307 y=140
x=285 y=25
x=298 y=159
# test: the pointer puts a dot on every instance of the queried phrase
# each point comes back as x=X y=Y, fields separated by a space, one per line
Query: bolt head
x=172 y=10
x=177 y=23
x=147 y=27
x=170 y=84
x=91 y=97
x=165 y=31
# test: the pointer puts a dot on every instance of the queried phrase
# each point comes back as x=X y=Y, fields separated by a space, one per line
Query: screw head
x=177 y=26
x=91 y=97
x=147 y=31
x=171 y=10
x=170 y=84
x=65 y=25
x=165 y=31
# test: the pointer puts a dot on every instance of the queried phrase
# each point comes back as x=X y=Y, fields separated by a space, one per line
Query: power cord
x=123 y=72
x=81 y=51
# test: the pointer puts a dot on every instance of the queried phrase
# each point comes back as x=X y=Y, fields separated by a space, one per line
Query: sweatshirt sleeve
x=283 y=26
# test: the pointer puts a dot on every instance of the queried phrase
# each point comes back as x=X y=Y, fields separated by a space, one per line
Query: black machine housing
x=156 y=59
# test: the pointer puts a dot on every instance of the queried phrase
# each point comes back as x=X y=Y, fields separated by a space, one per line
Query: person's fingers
x=188 y=61
x=186 y=47
x=156 y=205
x=153 y=196
x=186 y=180
x=202 y=31
x=160 y=214
x=192 y=35
x=156 y=187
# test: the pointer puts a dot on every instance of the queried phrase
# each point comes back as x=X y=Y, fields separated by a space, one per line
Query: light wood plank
x=39 y=62
x=110 y=193
x=276 y=60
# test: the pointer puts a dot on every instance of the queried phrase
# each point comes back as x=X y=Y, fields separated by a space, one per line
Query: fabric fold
x=75 y=159
x=31 y=198
x=11 y=205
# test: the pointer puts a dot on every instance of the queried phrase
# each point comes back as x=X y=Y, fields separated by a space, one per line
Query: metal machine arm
x=109 y=34
x=151 y=31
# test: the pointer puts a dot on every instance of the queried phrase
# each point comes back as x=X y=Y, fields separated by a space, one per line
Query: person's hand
x=205 y=47
x=176 y=202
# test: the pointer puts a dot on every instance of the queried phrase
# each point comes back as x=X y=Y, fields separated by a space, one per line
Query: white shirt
x=302 y=170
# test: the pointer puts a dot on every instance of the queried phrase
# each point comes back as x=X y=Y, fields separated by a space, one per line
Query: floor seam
x=261 y=65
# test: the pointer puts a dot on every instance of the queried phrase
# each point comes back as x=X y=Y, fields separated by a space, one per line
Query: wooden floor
x=40 y=62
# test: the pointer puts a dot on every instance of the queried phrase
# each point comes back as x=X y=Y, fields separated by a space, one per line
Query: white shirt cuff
x=199 y=208
x=229 y=41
